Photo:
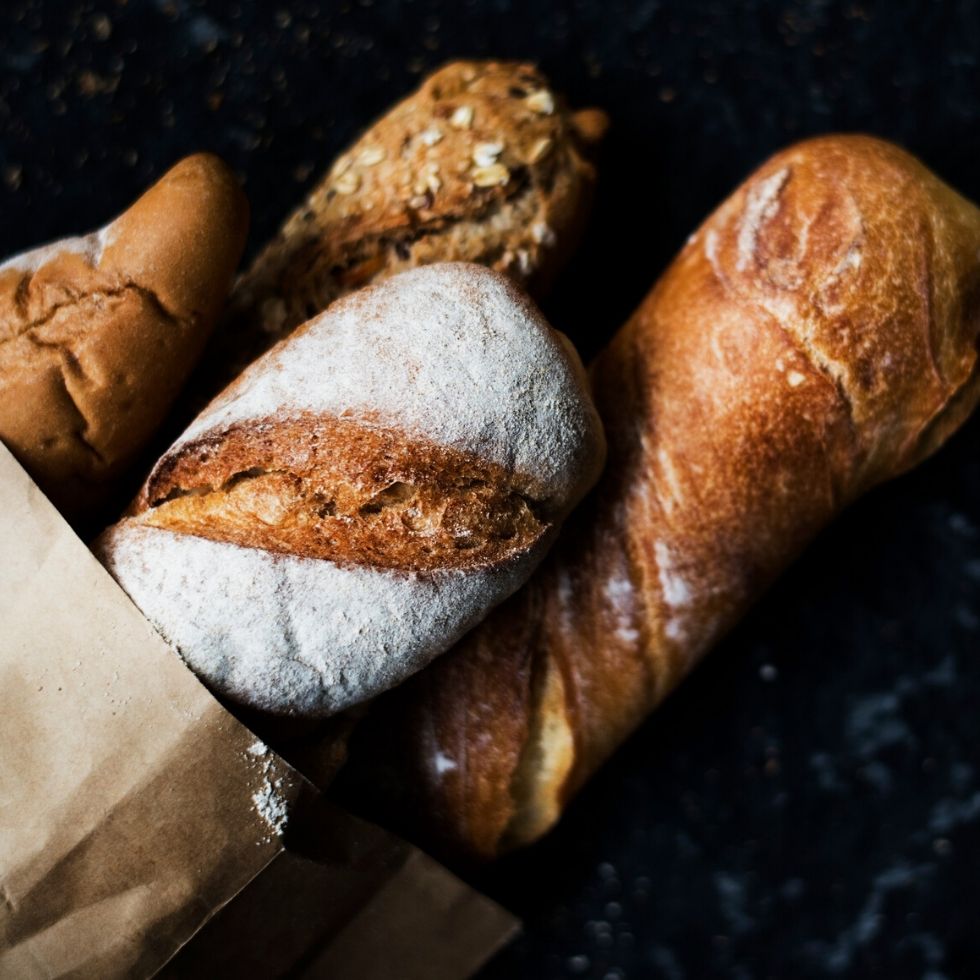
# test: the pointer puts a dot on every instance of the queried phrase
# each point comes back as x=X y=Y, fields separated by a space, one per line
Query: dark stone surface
x=808 y=805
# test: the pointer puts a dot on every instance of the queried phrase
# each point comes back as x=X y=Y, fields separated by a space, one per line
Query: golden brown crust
x=97 y=334
x=343 y=490
x=818 y=335
x=482 y=164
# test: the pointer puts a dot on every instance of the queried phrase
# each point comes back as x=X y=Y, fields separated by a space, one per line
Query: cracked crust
x=818 y=335
x=482 y=164
x=341 y=490
x=98 y=333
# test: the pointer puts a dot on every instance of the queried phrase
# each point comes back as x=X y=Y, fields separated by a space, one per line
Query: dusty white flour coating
x=90 y=246
x=450 y=352
x=675 y=591
x=761 y=205
x=294 y=635
x=621 y=597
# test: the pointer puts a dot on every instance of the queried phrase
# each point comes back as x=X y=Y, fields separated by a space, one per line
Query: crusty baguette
x=816 y=336
x=98 y=333
x=482 y=164
x=364 y=493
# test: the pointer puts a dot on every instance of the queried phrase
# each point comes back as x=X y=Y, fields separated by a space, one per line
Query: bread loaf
x=363 y=494
x=482 y=164
x=98 y=333
x=817 y=336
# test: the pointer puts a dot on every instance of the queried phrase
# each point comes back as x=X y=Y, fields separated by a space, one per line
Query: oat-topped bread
x=364 y=493
x=97 y=333
x=483 y=163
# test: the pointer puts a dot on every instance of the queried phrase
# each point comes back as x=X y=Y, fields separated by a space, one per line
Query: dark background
x=808 y=805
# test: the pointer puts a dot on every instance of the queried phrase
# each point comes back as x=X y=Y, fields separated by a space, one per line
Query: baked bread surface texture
x=364 y=493
x=816 y=336
x=98 y=333
x=483 y=163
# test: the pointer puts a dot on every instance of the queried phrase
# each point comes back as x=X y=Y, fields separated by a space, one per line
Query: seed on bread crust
x=541 y=101
x=470 y=168
x=347 y=183
x=462 y=118
x=496 y=175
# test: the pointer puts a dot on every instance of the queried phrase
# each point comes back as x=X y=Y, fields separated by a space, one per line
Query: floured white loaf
x=364 y=494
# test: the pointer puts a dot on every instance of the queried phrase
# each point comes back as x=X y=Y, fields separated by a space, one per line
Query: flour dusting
x=761 y=205
x=621 y=597
x=675 y=589
x=271 y=806
x=452 y=353
x=90 y=247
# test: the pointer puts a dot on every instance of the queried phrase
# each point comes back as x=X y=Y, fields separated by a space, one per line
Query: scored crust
x=341 y=490
x=816 y=336
x=362 y=495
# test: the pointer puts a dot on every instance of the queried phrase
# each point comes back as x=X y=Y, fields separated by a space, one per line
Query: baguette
x=816 y=337
x=363 y=494
x=98 y=333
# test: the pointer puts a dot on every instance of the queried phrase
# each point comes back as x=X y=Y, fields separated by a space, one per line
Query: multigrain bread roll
x=482 y=164
x=817 y=336
x=363 y=494
x=98 y=333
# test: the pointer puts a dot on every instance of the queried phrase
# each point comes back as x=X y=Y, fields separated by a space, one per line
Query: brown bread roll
x=817 y=336
x=482 y=164
x=364 y=493
x=98 y=333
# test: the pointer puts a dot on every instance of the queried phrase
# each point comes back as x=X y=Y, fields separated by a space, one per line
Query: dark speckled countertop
x=808 y=805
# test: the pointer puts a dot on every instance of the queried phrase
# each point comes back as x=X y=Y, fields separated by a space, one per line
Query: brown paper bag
x=144 y=829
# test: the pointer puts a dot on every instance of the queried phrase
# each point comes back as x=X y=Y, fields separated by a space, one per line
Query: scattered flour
x=271 y=806
x=442 y=763
x=621 y=597
x=675 y=590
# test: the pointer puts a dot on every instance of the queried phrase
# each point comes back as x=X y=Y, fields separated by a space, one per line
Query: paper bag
x=144 y=829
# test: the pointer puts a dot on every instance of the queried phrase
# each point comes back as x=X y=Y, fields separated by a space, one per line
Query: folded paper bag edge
x=67 y=562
